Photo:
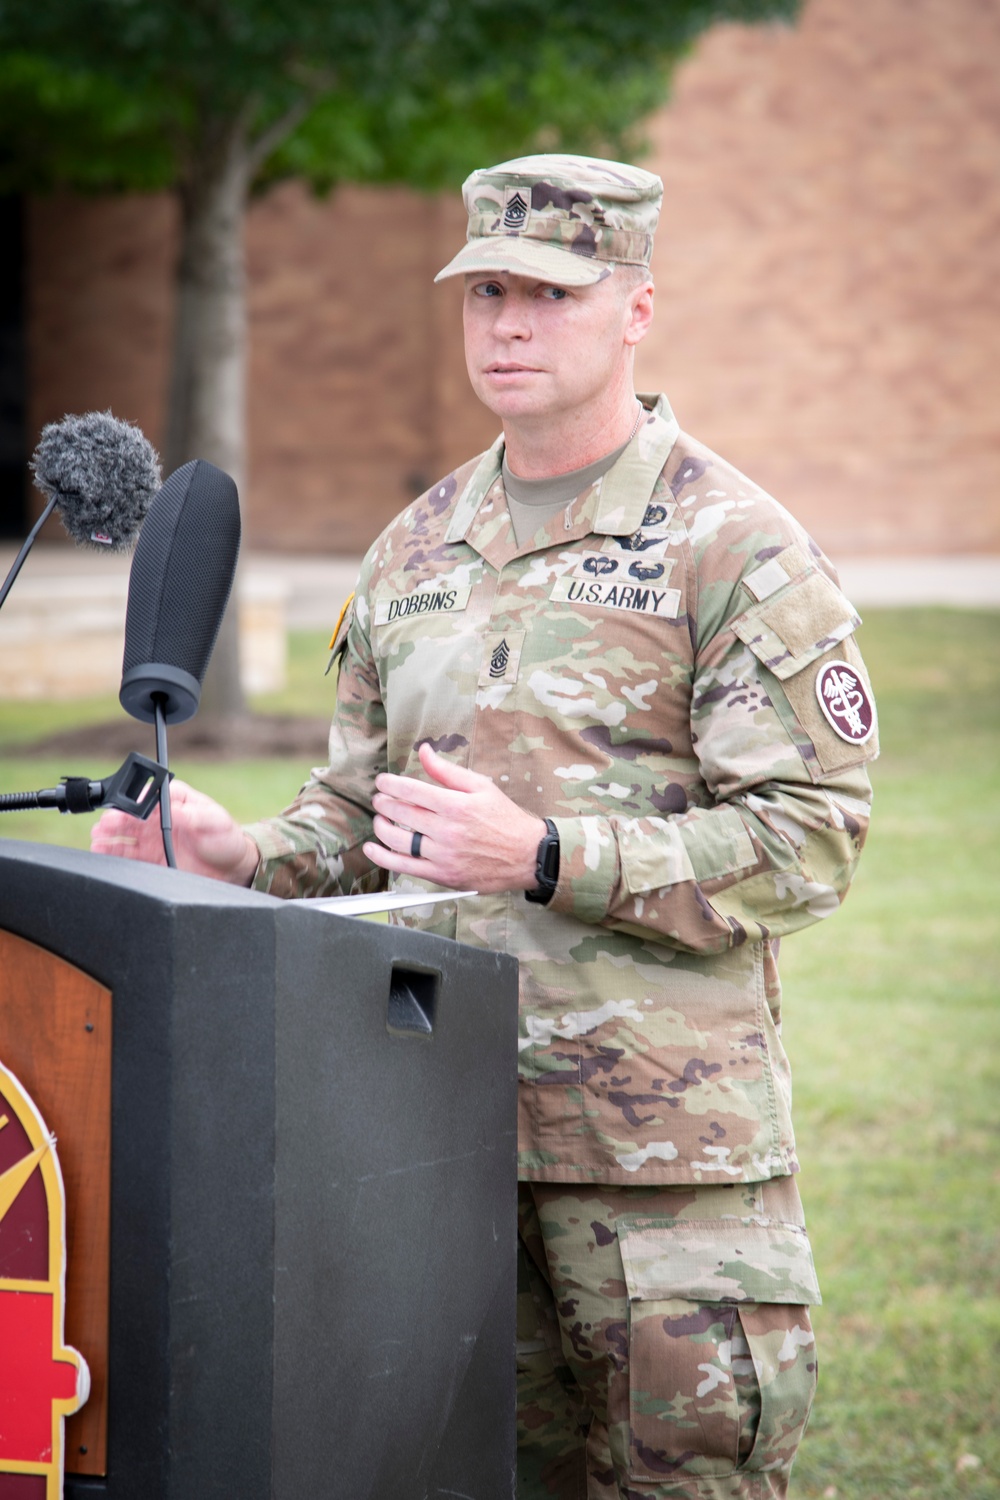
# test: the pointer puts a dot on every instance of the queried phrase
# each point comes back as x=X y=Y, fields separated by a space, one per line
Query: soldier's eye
x=488 y=289
x=554 y=293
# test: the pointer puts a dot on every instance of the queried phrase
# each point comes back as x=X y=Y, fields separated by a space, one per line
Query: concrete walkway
x=318 y=586
x=62 y=627
x=970 y=582
x=315 y=587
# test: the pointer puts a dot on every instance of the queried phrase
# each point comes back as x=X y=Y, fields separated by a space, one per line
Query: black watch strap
x=546 y=867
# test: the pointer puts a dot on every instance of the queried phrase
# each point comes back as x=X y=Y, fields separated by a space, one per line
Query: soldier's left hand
x=473 y=837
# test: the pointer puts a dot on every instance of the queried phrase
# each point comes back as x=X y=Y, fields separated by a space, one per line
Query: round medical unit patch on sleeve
x=846 y=706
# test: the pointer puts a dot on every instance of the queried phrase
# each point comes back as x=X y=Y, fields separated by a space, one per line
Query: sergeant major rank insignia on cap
x=515 y=212
x=567 y=219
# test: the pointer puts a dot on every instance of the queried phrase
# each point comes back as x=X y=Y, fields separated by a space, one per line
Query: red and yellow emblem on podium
x=42 y=1381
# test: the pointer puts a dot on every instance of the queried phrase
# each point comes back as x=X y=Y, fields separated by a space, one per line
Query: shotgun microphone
x=179 y=585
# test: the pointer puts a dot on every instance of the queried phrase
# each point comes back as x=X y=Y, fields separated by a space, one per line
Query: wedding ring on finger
x=415 y=843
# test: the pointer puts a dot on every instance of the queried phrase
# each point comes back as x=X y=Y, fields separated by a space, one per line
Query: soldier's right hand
x=207 y=839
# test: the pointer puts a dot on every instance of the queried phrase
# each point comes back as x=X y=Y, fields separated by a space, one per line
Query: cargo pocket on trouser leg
x=722 y=1366
x=783 y=1354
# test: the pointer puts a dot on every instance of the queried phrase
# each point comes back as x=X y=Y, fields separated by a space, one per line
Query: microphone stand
x=139 y=785
x=136 y=788
x=8 y=582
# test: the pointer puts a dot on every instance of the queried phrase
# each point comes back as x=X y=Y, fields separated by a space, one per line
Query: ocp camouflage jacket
x=668 y=671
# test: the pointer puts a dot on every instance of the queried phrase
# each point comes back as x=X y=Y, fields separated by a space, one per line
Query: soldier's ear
x=641 y=313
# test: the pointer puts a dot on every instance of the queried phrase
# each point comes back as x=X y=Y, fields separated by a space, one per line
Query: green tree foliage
x=125 y=93
x=214 y=98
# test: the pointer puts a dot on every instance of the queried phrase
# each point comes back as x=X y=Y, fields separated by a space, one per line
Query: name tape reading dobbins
x=606 y=595
x=427 y=602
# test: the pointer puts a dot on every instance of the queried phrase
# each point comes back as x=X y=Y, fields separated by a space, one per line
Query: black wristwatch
x=546 y=867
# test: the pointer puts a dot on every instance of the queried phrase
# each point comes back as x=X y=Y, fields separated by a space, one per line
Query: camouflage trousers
x=664 y=1341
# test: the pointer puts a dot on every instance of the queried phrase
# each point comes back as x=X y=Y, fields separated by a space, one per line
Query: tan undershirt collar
x=533 y=502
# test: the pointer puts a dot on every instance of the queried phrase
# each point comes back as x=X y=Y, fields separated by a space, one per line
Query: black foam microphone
x=179 y=585
x=101 y=474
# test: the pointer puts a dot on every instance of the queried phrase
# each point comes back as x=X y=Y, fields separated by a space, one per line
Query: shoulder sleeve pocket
x=804 y=636
x=788 y=632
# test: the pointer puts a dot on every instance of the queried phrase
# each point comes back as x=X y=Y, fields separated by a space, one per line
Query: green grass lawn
x=892 y=1022
x=248 y=788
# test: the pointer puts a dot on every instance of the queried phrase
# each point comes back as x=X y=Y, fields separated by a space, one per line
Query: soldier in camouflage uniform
x=629 y=693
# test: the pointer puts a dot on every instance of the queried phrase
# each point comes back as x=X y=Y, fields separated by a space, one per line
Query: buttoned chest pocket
x=427 y=654
x=598 y=653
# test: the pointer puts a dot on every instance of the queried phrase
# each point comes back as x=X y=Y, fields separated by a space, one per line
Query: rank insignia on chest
x=501 y=658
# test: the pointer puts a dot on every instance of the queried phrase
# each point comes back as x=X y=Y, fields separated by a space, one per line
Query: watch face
x=547 y=860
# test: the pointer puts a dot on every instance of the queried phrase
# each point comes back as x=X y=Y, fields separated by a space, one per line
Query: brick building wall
x=829 y=304
x=828 y=308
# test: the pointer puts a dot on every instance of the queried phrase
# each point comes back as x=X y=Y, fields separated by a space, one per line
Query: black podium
x=312 y=1186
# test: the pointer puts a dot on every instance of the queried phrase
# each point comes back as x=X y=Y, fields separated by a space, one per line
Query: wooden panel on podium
x=55 y=1037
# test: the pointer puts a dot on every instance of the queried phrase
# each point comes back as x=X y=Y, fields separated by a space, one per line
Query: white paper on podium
x=381 y=901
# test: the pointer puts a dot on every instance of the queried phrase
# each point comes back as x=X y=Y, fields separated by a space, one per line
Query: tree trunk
x=207 y=403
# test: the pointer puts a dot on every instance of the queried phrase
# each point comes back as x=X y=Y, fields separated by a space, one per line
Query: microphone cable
x=166 y=823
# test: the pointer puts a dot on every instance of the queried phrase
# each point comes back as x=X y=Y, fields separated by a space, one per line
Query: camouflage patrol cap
x=568 y=219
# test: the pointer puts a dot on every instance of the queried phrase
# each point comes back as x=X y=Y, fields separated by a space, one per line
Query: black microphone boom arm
x=134 y=788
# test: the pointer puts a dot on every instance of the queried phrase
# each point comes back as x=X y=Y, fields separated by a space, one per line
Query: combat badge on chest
x=629 y=572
